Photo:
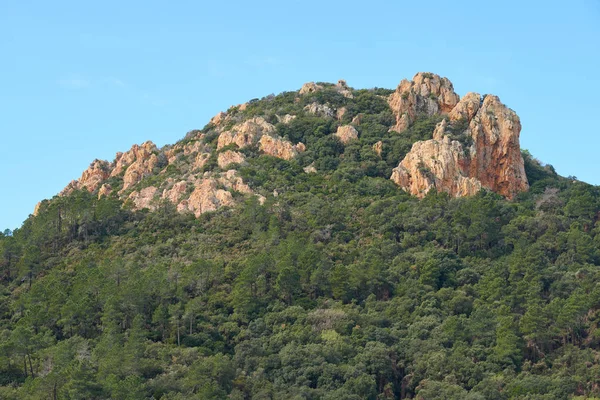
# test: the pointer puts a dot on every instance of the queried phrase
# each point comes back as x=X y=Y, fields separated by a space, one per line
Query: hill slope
x=274 y=254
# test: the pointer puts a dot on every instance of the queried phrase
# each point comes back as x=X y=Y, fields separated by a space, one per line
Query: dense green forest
x=340 y=286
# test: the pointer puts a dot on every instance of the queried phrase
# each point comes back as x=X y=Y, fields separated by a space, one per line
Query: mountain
x=324 y=243
x=475 y=146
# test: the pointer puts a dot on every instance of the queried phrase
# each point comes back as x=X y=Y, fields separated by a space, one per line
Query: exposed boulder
x=343 y=89
x=346 y=133
x=310 y=87
x=310 y=169
x=378 y=148
x=466 y=108
x=427 y=94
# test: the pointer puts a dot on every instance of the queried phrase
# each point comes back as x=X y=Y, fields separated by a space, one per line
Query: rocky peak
x=91 y=178
x=492 y=161
x=426 y=94
x=310 y=87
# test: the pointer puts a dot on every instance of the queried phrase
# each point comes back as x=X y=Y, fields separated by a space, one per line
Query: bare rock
x=277 y=147
x=245 y=133
x=496 y=158
x=175 y=192
x=231 y=180
x=91 y=178
x=378 y=148
x=207 y=196
x=137 y=152
x=435 y=164
x=310 y=87
x=310 y=169
x=230 y=157
x=427 y=94
x=144 y=198
x=347 y=133
x=105 y=190
x=286 y=119
x=493 y=161
x=440 y=130
x=218 y=119
x=200 y=160
x=343 y=89
x=36 y=209
x=137 y=171
x=321 y=110
x=466 y=108
x=339 y=114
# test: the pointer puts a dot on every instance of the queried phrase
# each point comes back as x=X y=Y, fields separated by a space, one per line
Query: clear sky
x=82 y=80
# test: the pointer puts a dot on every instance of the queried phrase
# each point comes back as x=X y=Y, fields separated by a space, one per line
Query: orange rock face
x=97 y=172
x=493 y=161
x=427 y=94
x=245 y=133
x=346 y=133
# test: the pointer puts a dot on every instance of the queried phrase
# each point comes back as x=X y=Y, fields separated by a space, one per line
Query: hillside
x=324 y=243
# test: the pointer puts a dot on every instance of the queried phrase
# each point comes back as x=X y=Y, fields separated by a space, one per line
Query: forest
x=339 y=286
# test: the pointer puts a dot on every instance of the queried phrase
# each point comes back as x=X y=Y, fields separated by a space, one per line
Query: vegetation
x=340 y=287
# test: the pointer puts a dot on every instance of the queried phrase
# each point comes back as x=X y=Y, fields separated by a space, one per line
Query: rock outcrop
x=492 y=161
x=321 y=110
x=341 y=87
x=175 y=192
x=310 y=87
x=426 y=94
x=91 y=178
x=475 y=146
x=207 y=196
x=245 y=133
x=346 y=133
x=144 y=198
x=286 y=119
x=378 y=148
x=278 y=147
x=105 y=190
x=230 y=157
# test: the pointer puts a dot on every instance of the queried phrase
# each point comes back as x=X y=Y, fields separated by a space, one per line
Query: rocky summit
x=473 y=146
x=487 y=153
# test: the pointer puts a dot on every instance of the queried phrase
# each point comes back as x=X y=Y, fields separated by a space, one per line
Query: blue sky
x=80 y=81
